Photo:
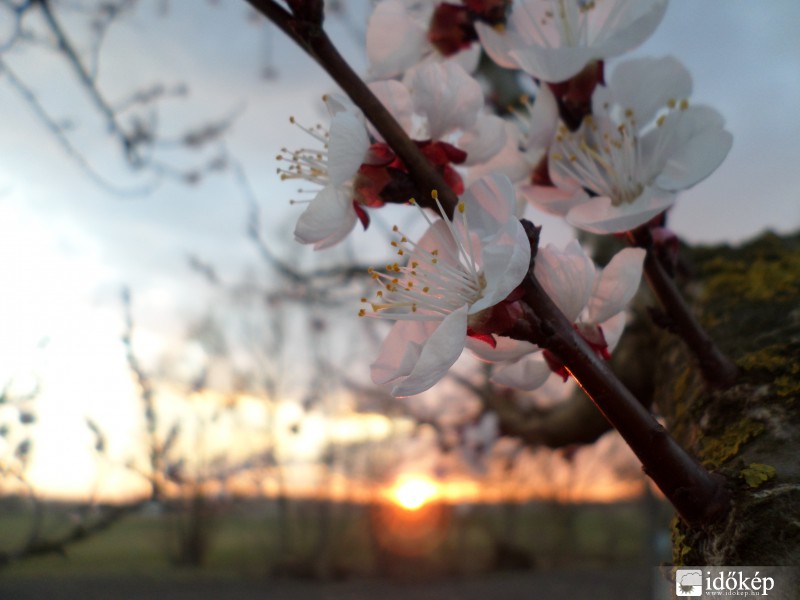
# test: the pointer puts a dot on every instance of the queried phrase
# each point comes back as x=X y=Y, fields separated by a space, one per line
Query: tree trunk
x=749 y=300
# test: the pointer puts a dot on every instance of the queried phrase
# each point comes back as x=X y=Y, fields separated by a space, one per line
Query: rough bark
x=749 y=299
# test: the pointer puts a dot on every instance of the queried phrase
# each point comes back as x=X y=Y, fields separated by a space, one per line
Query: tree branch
x=312 y=38
x=697 y=495
x=718 y=371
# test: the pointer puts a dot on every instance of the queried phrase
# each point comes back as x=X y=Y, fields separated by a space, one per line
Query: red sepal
x=362 y=215
x=484 y=337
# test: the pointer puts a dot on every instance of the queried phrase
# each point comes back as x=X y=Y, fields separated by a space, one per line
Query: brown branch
x=698 y=496
x=718 y=370
x=311 y=38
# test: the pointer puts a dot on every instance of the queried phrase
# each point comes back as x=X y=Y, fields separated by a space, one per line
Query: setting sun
x=412 y=492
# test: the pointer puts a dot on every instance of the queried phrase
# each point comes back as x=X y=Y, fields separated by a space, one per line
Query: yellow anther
x=291 y=120
x=412 y=201
x=362 y=313
x=556 y=156
x=435 y=194
x=684 y=104
x=461 y=207
x=660 y=120
x=426 y=289
x=671 y=103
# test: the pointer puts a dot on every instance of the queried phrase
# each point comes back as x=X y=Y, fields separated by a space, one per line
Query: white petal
x=346 y=148
x=506 y=350
x=327 y=220
x=635 y=31
x=397 y=100
x=544 y=120
x=447 y=96
x=645 y=85
x=553 y=65
x=498 y=45
x=612 y=330
x=553 y=200
x=698 y=146
x=468 y=58
x=438 y=354
x=490 y=205
x=400 y=350
x=567 y=276
x=509 y=161
x=617 y=284
x=395 y=40
x=526 y=374
x=336 y=103
x=505 y=250
x=598 y=215
x=504 y=266
x=484 y=139
x=696 y=161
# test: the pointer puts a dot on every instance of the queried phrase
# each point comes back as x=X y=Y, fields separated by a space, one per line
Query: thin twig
x=718 y=370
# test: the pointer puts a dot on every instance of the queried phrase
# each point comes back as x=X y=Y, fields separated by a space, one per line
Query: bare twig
x=718 y=370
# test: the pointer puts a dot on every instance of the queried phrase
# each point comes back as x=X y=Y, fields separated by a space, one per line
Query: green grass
x=243 y=542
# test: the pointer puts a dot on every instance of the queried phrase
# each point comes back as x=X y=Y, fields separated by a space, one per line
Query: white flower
x=555 y=39
x=441 y=108
x=528 y=137
x=458 y=269
x=333 y=212
x=643 y=143
x=442 y=102
x=594 y=302
x=398 y=39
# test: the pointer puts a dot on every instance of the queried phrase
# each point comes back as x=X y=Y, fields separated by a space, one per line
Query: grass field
x=242 y=543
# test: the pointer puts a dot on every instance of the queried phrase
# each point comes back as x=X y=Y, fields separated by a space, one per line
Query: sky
x=68 y=246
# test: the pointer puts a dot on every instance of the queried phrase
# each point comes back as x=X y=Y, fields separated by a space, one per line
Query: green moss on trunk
x=749 y=299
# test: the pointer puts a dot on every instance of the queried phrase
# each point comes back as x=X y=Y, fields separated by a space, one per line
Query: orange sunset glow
x=413 y=491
